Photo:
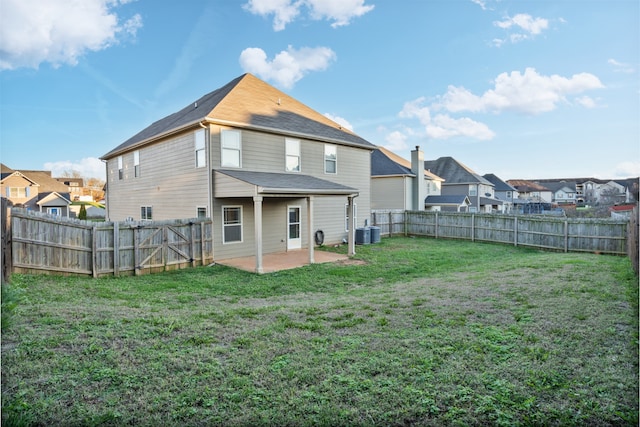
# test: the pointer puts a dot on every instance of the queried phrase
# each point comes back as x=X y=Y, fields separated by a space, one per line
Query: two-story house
x=34 y=190
x=562 y=192
x=395 y=183
x=268 y=170
x=460 y=180
x=503 y=191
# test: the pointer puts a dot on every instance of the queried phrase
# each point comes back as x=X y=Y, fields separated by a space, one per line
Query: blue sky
x=520 y=89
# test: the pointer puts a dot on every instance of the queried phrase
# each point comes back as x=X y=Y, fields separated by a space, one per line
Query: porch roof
x=268 y=183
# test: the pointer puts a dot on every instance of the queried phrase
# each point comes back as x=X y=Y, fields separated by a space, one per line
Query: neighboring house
x=593 y=191
x=395 y=184
x=75 y=187
x=460 y=180
x=503 y=191
x=34 y=190
x=562 y=192
x=622 y=211
x=531 y=191
x=268 y=170
x=450 y=203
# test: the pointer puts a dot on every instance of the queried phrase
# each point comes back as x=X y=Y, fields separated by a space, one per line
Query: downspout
x=207 y=147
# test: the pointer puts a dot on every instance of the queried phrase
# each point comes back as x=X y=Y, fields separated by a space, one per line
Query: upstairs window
x=201 y=212
x=473 y=190
x=136 y=163
x=17 y=192
x=120 y=169
x=201 y=158
x=330 y=158
x=292 y=148
x=231 y=148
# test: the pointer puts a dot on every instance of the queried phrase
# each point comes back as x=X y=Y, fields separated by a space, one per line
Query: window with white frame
x=201 y=212
x=231 y=224
x=473 y=190
x=330 y=158
x=346 y=215
x=146 y=213
x=120 y=168
x=292 y=148
x=54 y=211
x=231 y=148
x=136 y=163
x=17 y=192
x=201 y=158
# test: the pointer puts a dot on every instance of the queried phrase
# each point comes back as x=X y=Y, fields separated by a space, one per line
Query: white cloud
x=59 y=31
x=288 y=66
x=89 y=167
x=396 y=141
x=285 y=11
x=620 y=67
x=339 y=11
x=627 y=169
x=528 y=93
x=480 y=3
x=443 y=127
x=586 y=101
x=525 y=25
x=339 y=120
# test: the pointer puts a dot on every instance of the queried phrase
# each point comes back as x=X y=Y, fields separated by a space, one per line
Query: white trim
x=224 y=242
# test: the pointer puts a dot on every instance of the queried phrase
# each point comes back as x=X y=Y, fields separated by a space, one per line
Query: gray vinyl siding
x=169 y=181
x=265 y=152
x=274 y=226
x=391 y=192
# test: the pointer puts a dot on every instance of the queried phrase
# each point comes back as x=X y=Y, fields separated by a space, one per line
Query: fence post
x=116 y=248
x=473 y=230
x=94 y=252
x=515 y=231
x=193 y=245
x=136 y=251
x=566 y=236
x=436 y=224
x=5 y=249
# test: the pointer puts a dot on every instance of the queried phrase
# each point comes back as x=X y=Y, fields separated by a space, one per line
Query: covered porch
x=263 y=185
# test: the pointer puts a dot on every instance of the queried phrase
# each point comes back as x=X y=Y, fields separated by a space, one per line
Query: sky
x=520 y=89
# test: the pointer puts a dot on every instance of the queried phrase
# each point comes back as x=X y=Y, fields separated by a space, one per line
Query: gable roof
x=556 y=186
x=500 y=185
x=42 y=179
x=448 y=199
x=454 y=172
x=247 y=102
x=525 y=186
x=388 y=163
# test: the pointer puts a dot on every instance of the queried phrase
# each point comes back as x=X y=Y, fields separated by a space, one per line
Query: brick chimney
x=419 y=184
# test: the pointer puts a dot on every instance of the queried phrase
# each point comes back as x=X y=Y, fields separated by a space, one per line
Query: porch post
x=257 y=217
x=310 y=228
x=352 y=231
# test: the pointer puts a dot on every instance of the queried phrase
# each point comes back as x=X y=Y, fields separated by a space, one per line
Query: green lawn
x=420 y=332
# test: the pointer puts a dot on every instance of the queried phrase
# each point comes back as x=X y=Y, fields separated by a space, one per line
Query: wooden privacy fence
x=600 y=235
x=44 y=243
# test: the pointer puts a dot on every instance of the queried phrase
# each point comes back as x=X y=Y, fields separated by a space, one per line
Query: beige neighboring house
x=273 y=174
x=395 y=184
x=34 y=190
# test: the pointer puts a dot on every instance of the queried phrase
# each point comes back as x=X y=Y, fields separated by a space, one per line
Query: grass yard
x=421 y=332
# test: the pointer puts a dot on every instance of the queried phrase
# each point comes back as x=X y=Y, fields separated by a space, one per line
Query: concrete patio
x=282 y=260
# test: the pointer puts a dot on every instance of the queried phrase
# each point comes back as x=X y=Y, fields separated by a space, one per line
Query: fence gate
x=42 y=243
